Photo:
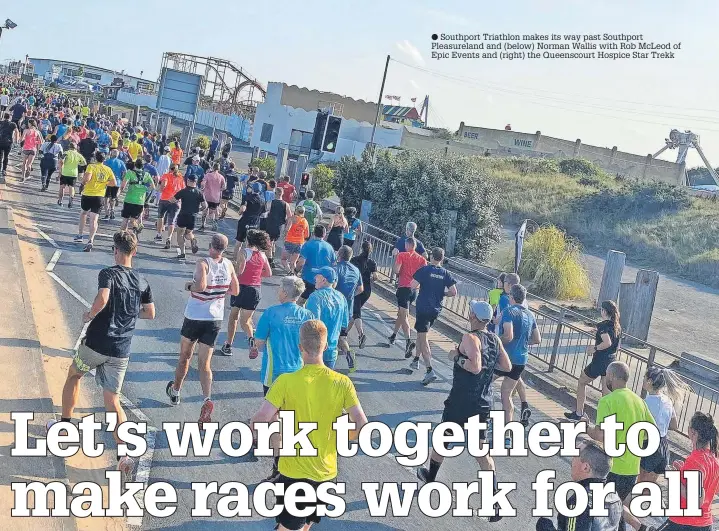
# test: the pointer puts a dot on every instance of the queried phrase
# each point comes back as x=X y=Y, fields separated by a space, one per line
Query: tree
x=322 y=181
x=425 y=187
x=266 y=165
x=202 y=142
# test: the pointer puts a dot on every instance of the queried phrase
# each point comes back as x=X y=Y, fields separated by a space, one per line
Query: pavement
x=389 y=391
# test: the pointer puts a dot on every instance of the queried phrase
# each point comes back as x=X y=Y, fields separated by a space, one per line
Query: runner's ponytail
x=613 y=313
x=663 y=379
x=706 y=430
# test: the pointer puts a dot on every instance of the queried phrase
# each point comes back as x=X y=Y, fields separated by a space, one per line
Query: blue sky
x=341 y=47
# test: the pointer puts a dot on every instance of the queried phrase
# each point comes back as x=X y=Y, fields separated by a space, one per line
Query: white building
x=47 y=68
x=287 y=119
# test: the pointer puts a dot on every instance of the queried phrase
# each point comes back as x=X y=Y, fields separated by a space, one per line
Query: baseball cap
x=482 y=310
x=327 y=272
x=195 y=159
x=166 y=148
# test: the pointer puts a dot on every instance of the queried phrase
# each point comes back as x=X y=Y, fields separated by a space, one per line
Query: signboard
x=179 y=93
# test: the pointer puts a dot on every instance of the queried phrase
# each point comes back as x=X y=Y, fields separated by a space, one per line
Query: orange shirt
x=176 y=156
x=410 y=262
x=173 y=185
x=298 y=232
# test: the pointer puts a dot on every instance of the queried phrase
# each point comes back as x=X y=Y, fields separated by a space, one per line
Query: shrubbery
x=425 y=187
x=579 y=167
x=202 y=142
x=267 y=165
x=322 y=178
x=551 y=261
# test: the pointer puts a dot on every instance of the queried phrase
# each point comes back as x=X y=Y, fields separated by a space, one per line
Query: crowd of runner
x=327 y=273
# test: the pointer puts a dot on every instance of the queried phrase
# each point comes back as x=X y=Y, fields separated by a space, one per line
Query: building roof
x=402 y=112
x=114 y=72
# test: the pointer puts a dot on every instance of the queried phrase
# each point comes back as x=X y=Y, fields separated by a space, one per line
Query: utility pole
x=379 y=108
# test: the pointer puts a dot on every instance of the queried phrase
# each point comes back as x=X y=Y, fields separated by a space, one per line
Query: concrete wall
x=508 y=143
x=237 y=126
x=311 y=100
x=353 y=135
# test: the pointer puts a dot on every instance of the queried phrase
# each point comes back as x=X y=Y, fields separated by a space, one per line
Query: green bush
x=266 y=165
x=322 y=180
x=425 y=187
x=551 y=261
x=526 y=165
x=202 y=142
x=579 y=167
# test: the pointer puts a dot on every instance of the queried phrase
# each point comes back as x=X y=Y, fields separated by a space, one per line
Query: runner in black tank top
x=278 y=215
x=474 y=362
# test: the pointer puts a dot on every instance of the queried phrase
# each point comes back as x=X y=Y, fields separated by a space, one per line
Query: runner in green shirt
x=628 y=409
x=69 y=164
x=136 y=183
x=312 y=210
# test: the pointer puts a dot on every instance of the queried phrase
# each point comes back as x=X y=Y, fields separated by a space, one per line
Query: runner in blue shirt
x=278 y=333
x=349 y=284
x=329 y=306
x=434 y=283
x=315 y=253
x=118 y=169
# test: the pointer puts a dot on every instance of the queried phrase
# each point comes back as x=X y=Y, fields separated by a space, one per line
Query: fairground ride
x=228 y=88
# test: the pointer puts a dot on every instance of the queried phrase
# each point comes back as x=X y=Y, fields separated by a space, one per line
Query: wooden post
x=557 y=341
x=612 y=277
x=281 y=163
x=644 y=296
x=626 y=302
x=451 y=234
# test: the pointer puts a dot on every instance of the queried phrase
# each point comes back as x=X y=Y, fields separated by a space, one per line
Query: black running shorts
x=91 y=203
x=204 y=332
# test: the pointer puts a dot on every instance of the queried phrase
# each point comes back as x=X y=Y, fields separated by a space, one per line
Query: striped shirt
x=209 y=305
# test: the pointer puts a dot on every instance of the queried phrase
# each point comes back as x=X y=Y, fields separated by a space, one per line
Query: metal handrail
x=564 y=344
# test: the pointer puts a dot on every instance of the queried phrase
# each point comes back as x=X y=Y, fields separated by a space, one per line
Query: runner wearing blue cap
x=329 y=306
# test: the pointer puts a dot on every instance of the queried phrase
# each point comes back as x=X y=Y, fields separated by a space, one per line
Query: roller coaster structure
x=227 y=89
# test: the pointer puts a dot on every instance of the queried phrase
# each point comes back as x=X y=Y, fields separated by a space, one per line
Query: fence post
x=557 y=340
x=644 y=297
x=451 y=233
x=650 y=362
x=611 y=277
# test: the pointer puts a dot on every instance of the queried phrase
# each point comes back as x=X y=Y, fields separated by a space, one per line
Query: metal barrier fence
x=564 y=341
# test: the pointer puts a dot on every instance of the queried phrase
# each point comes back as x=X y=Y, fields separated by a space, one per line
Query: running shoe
x=69 y=204
x=105 y=217
x=410 y=348
x=194 y=246
x=362 y=341
x=173 y=395
x=392 y=339
x=78 y=238
x=138 y=228
x=59 y=202
x=351 y=361
x=87 y=248
x=524 y=415
x=254 y=351
x=226 y=350
x=181 y=257
x=112 y=214
x=574 y=416
x=508 y=443
x=51 y=423
x=414 y=365
x=158 y=238
x=423 y=475
x=429 y=377
x=274 y=475
x=206 y=412
x=168 y=243
x=126 y=465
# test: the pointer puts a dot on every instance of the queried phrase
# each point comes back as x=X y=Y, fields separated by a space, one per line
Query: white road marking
x=48 y=238
x=69 y=289
x=53 y=260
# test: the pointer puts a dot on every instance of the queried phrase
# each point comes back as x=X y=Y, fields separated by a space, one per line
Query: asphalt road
x=388 y=390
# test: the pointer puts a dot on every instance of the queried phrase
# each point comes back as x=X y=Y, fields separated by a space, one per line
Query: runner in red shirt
x=704 y=458
x=288 y=190
x=405 y=266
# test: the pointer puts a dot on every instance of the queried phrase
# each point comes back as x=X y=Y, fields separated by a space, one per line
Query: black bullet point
x=434 y=37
